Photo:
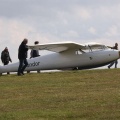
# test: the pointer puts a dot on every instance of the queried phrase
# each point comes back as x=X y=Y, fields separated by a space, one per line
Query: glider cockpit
x=91 y=48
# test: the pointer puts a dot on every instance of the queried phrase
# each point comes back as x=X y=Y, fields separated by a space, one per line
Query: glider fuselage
x=67 y=60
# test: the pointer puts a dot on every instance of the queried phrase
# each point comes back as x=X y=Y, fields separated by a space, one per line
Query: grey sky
x=58 y=20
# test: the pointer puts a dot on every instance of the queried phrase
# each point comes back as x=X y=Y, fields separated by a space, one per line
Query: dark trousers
x=22 y=65
x=6 y=63
x=114 y=62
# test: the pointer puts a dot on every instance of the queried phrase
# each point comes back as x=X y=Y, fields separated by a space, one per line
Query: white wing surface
x=58 y=47
x=64 y=46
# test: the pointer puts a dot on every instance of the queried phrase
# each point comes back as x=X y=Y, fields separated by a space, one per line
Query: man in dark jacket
x=22 y=56
x=5 y=57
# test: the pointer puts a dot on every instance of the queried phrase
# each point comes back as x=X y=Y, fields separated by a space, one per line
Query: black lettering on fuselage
x=33 y=64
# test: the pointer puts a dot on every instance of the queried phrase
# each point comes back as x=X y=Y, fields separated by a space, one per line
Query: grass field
x=73 y=95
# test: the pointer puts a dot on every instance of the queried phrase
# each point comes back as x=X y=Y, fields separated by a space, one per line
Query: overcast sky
x=49 y=21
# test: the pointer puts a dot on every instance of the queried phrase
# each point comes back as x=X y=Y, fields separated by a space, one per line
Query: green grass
x=73 y=95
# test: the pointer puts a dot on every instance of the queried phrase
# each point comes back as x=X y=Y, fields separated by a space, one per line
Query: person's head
x=25 y=41
x=6 y=49
x=116 y=44
x=36 y=42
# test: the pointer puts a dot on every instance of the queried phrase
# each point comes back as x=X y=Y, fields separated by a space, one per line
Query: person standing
x=5 y=57
x=22 y=56
x=35 y=53
x=114 y=62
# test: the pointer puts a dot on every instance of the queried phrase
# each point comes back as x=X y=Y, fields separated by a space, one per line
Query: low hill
x=71 y=95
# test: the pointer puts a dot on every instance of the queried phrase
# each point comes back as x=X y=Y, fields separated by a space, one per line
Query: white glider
x=68 y=55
